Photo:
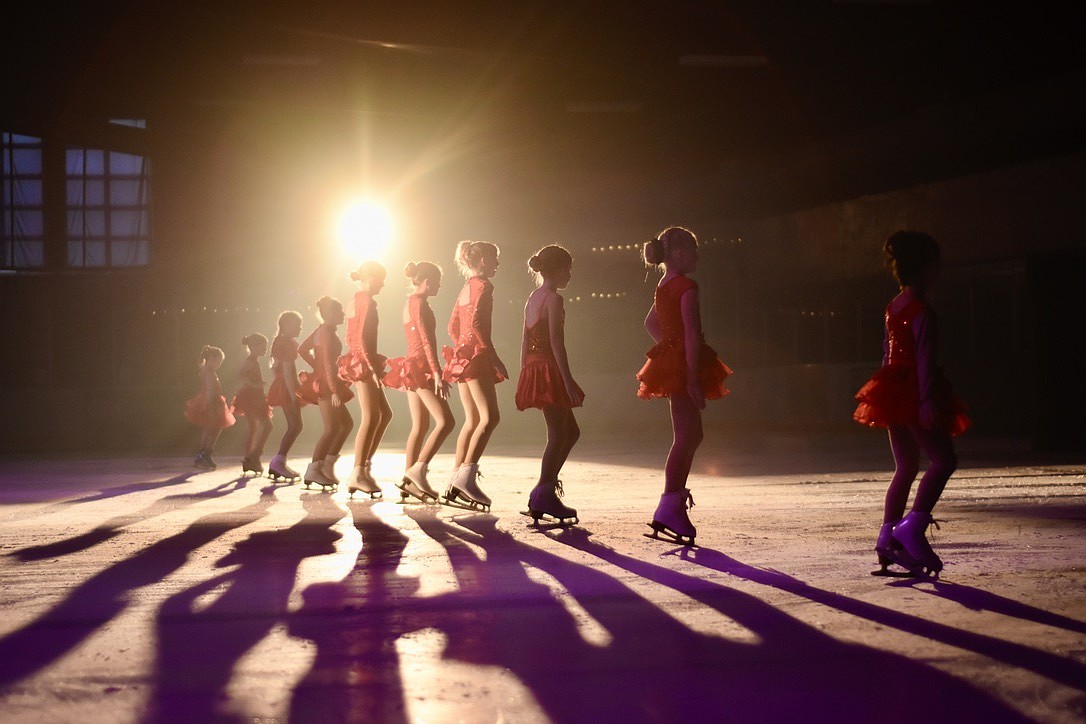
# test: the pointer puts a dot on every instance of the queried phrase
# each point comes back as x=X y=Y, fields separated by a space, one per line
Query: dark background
x=792 y=137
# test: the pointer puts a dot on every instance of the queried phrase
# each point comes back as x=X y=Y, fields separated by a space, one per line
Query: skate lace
x=558 y=488
x=689 y=500
x=935 y=525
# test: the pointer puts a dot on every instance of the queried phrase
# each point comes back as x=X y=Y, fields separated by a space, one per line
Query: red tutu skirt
x=540 y=384
x=278 y=394
x=468 y=362
x=892 y=397
x=251 y=401
x=408 y=373
x=198 y=412
x=312 y=389
x=664 y=372
x=354 y=368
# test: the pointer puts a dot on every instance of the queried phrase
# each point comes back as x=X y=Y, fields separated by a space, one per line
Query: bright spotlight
x=365 y=230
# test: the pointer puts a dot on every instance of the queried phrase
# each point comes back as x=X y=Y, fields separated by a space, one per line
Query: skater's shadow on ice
x=618 y=656
x=105 y=595
x=113 y=527
x=977 y=599
x=1063 y=670
x=199 y=644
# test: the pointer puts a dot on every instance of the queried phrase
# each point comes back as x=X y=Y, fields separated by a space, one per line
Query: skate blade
x=887 y=573
x=546 y=520
x=424 y=498
x=375 y=495
x=464 y=501
x=662 y=532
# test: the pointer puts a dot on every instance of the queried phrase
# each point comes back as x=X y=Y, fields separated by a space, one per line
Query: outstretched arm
x=692 y=341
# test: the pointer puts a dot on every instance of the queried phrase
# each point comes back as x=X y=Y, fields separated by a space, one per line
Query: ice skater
x=365 y=368
x=326 y=389
x=910 y=397
x=419 y=375
x=545 y=381
x=283 y=389
x=208 y=409
x=251 y=402
x=681 y=367
x=473 y=365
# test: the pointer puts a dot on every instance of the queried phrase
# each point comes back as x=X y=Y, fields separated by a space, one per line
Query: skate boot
x=314 y=475
x=910 y=534
x=671 y=520
x=415 y=484
x=328 y=468
x=251 y=465
x=362 y=482
x=466 y=487
x=545 y=500
x=278 y=470
x=890 y=552
x=203 y=460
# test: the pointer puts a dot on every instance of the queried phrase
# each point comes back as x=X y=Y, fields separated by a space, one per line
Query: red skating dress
x=473 y=357
x=664 y=373
x=284 y=351
x=250 y=399
x=324 y=380
x=419 y=367
x=540 y=383
x=909 y=374
x=362 y=361
x=216 y=414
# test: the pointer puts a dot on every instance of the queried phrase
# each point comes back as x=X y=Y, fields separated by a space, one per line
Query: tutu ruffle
x=312 y=389
x=540 y=384
x=891 y=397
x=198 y=412
x=470 y=362
x=278 y=394
x=354 y=368
x=664 y=372
x=251 y=401
x=408 y=373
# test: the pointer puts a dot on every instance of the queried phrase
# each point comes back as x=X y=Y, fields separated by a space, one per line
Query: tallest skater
x=682 y=367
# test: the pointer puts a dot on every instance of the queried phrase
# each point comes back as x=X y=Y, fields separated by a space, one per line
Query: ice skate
x=251 y=465
x=278 y=470
x=315 y=476
x=891 y=552
x=909 y=533
x=544 y=503
x=415 y=484
x=203 y=460
x=465 y=488
x=671 y=522
x=362 y=482
x=328 y=468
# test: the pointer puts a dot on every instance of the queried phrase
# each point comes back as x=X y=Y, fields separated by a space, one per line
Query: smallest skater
x=208 y=409
x=911 y=398
x=546 y=382
x=251 y=402
x=681 y=367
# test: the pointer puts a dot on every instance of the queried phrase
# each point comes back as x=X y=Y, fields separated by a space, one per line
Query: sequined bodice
x=420 y=324
x=537 y=338
x=901 y=341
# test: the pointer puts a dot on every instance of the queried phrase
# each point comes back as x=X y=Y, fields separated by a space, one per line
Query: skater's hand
x=501 y=368
x=441 y=389
x=575 y=395
x=694 y=390
x=336 y=402
x=929 y=415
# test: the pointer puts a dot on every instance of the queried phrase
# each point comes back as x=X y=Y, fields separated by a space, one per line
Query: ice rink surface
x=140 y=590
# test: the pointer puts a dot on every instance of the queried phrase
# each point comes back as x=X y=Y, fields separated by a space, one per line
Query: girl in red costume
x=365 y=368
x=545 y=380
x=208 y=408
x=252 y=402
x=680 y=366
x=282 y=391
x=910 y=396
x=326 y=389
x=474 y=367
x=419 y=375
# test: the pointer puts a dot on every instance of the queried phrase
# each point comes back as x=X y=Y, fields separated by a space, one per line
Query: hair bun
x=410 y=269
x=534 y=263
x=355 y=276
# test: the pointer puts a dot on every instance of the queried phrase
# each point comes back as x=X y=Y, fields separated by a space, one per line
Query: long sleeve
x=483 y=308
x=925 y=332
x=423 y=318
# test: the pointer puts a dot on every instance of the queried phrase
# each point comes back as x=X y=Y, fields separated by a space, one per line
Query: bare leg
x=264 y=428
x=906 y=464
x=562 y=434
x=471 y=421
x=440 y=411
x=328 y=434
x=486 y=403
x=376 y=414
x=209 y=438
x=420 y=423
x=342 y=430
x=686 y=423
x=293 y=413
x=384 y=417
x=939 y=448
